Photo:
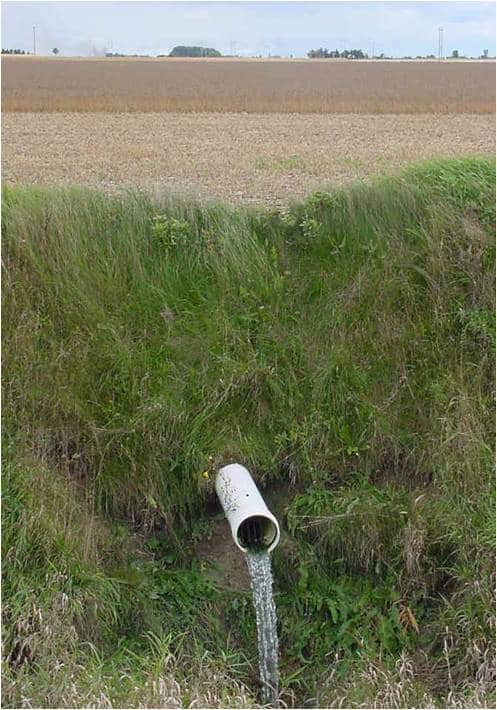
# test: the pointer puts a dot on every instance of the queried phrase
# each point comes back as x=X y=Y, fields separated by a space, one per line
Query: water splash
x=261 y=580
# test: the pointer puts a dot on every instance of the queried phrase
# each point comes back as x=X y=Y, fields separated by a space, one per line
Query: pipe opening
x=256 y=533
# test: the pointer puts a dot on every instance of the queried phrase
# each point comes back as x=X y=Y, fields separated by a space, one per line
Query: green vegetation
x=293 y=163
x=182 y=51
x=343 y=350
x=335 y=54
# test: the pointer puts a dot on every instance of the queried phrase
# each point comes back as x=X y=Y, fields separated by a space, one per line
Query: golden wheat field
x=255 y=86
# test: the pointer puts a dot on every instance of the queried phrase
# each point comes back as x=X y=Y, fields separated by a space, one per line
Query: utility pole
x=34 y=39
x=440 y=43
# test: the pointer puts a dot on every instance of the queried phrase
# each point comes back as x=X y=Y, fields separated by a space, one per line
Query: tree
x=455 y=54
x=182 y=51
x=335 y=54
x=317 y=53
x=55 y=51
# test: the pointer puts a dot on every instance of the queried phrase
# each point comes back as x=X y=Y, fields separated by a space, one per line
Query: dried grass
x=377 y=686
x=254 y=86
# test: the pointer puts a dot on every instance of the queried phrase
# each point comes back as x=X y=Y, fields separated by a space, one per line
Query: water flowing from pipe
x=261 y=580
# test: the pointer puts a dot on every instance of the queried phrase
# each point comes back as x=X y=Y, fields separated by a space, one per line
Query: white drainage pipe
x=252 y=524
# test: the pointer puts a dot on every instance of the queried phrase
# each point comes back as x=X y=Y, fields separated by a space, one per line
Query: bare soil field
x=257 y=158
x=254 y=86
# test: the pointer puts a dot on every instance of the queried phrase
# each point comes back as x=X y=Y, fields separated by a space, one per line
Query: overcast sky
x=244 y=28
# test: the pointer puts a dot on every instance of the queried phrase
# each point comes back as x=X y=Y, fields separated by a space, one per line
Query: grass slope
x=342 y=349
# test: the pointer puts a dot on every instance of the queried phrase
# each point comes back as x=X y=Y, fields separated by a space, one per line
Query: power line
x=440 y=43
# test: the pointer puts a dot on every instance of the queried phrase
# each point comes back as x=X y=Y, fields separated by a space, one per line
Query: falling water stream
x=261 y=580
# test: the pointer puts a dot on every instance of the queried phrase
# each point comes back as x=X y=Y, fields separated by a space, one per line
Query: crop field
x=261 y=159
x=254 y=86
x=260 y=132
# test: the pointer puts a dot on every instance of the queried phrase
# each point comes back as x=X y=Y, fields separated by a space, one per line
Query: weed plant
x=343 y=349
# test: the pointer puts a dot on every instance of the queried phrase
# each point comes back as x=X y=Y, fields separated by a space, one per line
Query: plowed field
x=262 y=158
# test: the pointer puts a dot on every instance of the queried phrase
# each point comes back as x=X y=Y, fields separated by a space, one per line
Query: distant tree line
x=14 y=51
x=118 y=54
x=335 y=54
x=360 y=54
x=182 y=51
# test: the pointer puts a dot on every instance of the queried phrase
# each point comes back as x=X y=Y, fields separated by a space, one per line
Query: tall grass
x=296 y=86
x=342 y=349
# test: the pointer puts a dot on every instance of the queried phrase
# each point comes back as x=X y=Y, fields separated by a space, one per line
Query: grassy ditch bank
x=343 y=350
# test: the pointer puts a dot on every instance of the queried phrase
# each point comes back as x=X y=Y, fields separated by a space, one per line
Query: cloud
x=286 y=27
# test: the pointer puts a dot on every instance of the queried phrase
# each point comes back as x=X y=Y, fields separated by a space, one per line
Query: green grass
x=343 y=349
x=276 y=166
